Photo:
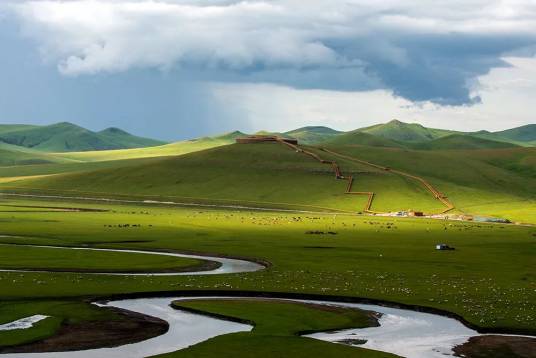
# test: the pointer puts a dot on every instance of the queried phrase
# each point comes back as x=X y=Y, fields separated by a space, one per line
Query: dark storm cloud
x=128 y=62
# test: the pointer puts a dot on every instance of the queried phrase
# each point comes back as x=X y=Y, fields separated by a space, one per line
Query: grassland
x=490 y=182
x=277 y=326
x=498 y=182
x=256 y=174
x=58 y=311
x=171 y=149
x=486 y=178
x=488 y=280
x=23 y=257
x=11 y=155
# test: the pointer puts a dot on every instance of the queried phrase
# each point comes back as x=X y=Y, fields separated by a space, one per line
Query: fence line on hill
x=437 y=194
x=338 y=175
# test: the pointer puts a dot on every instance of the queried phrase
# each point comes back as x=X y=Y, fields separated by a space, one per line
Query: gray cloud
x=421 y=52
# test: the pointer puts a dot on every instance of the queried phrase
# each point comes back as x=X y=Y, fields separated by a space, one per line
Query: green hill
x=520 y=134
x=313 y=134
x=414 y=133
x=524 y=136
x=230 y=136
x=11 y=155
x=496 y=182
x=177 y=148
x=6 y=128
x=405 y=132
x=67 y=137
x=361 y=138
x=462 y=141
x=478 y=175
x=267 y=173
x=126 y=140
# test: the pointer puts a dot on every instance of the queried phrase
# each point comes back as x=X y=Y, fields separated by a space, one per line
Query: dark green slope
x=417 y=136
x=67 y=137
x=462 y=141
x=313 y=134
x=6 y=128
x=520 y=134
x=361 y=138
x=268 y=173
x=126 y=140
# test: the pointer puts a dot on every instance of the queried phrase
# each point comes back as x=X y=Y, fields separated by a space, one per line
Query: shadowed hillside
x=461 y=141
x=67 y=137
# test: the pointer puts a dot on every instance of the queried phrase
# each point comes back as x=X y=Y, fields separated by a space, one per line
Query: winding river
x=403 y=332
x=226 y=265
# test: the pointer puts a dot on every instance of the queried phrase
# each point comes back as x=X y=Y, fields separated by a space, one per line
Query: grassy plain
x=24 y=257
x=489 y=278
x=261 y=174
x=488 y=182
x=58 y=311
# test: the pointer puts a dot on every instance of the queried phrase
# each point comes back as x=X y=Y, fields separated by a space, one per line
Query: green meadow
x=23 y=257
x=497 y=183
x=488 y=280
x=275 y=204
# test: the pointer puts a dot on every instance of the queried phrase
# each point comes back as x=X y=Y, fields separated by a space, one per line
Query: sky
x=179 y=69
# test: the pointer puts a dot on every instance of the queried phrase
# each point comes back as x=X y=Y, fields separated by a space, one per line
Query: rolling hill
x=313 y=134
x=11 y=155
x=524 y=135
x=461 y=141
x=520 y=134
x=416 y=136
x=405 y=132
x=479 y=175
x=497 y=182
x=171 y=149
x=67 y=137
x=361 y=138
x=238 y=174
x=6 y=128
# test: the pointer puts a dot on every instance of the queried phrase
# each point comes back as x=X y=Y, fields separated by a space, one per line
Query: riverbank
x=130 y=327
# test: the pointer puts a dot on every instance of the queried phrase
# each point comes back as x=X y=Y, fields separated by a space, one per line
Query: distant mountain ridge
x=413 y=135
x=461 y=141
x=68 y=137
